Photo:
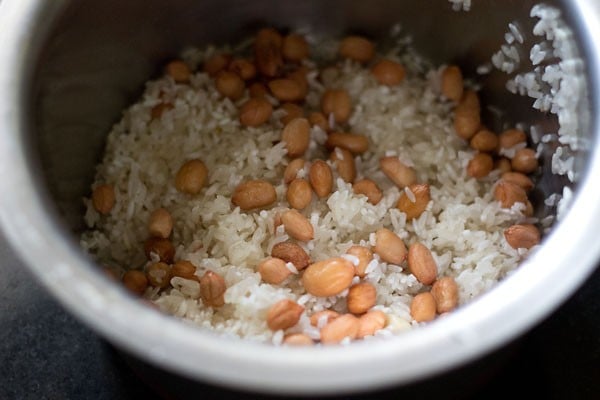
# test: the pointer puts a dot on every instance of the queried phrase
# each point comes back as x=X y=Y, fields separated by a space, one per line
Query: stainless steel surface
x=70 y=67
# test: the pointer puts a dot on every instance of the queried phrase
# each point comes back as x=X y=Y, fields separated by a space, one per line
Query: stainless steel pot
x=69 y=67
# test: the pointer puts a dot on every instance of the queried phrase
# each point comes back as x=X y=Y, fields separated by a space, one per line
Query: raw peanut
x=469 y=102
x=508 y=193
x=524 y=161
x=161 y=223
x=445 y=293
x=212 y=289
x=284 y=314
x=511 y=138
x=318 y=119
x=297 y=339
x=291 y=171
x=277 y=220
x=484 y=141
x=480 y=165
x=452 y=83
x=255 y=112
x=345 y=326
x=295 y=47
x=357 y=144
x=103 y=198
x=357 y=48
x=523 y=236
x=257 y=90
x=466 y=122
x=184 y=269
x=299 y=194
x=370 y=323
x=297 y=226
x=191 y=177
x=397 y=171
x=528 y=209
x=421 y=263
x=136 y=281
x=159 y=274
x=321 y=178
x=519 y=179
x=329 y=277
x=503 y=165
x=299 y=76
x=158 y=110
x=344 y=163
x=163 y=248
x=361 y=297
x=243 y=68
x=338 y=103
x=292 y=111
x=286 y=90
x=179 y=71
x=254 y=194
x=216 y=64
x=230 y=85
x=368 y=188
x=327 y=315
x=422 y=198
x=273 y=270
x=291 y=252
x=389 y=246
x=422 y=307
x=296 y=135
x=388 y=72
x=267 y=52
x=364 y=256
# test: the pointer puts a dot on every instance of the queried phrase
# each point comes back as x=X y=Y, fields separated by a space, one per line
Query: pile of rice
x=462 y=226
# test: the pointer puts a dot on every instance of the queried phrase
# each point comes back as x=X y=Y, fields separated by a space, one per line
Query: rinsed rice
x=463 y=225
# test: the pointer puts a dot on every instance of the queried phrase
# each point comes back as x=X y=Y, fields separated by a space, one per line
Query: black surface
x=46 y=354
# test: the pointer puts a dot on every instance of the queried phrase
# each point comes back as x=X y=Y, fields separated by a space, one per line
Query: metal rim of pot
x=568 y=257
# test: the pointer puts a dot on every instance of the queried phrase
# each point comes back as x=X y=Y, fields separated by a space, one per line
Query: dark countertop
x=45 y=353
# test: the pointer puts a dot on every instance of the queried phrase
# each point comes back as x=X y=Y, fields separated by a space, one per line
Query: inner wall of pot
x=100 y=53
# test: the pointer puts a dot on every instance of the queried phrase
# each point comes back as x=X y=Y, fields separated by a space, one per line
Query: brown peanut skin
x=346 y=325
x=291 y=252
x=284 y=314
x=370 y=323
x=361 y=297
x=297 y=226
x=399 y=173
x=370 y=189
x=299 y=194
x=445 y=294
x=338 y=102
x=508 y=193
x=273 y=270
x=254 y=194
x=422 y=198
x=421 y=263
x=423 y=307
x=212 y=289
x=522 y=236
x=321 y=178
x=452 y=83
x=390 y=247
x=329 y=277
x=357 y=48
x=388 y=72
x=103 y=199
